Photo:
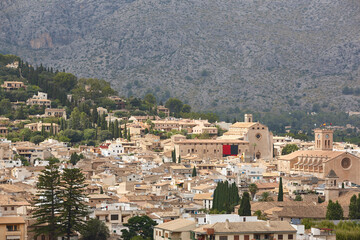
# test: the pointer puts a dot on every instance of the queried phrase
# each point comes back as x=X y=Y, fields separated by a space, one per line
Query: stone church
x=320 y=161
x=258 y=135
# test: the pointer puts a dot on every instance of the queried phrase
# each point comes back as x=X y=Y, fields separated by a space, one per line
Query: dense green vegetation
x=59 y=209
x=344 y=230
x=139 y=226
x=80 y=98
x=289 y=148
x=226 y=197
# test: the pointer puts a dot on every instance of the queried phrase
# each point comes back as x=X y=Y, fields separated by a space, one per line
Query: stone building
x=320 y=161
x=258 y=136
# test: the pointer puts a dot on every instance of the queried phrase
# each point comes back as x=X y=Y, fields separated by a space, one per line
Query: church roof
x=242 y=124
x=312 y=153
x=332 y=174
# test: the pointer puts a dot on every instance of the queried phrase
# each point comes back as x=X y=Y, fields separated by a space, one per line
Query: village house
x=38 y=126
x=163 y=110
x=13 y=228
x=246 y=230
x=40 y=100
x=176 y=229
x=55 y=112
x=12 y=85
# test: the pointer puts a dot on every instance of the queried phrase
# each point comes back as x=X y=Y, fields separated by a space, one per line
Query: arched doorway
x=258 y=155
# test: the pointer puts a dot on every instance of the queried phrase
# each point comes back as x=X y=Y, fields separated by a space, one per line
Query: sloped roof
x=311 y=153
x=248 y=227
x=332 y=174
x=178 y=225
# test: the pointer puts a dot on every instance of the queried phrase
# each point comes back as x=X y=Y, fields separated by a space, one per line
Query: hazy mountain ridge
x=213 y=54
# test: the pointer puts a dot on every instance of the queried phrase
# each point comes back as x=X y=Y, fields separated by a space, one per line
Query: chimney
x=268 y=223
x=227 y=225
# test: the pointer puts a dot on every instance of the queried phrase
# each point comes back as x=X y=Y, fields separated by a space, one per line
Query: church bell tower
x=323 y=139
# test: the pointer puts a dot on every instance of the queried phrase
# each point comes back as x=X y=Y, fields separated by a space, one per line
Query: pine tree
x=245 y=207
x=48 y=203
x=194 y=173
x=281 y=193
x=73 y=209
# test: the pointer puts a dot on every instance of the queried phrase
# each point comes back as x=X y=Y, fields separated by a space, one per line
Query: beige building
x=12 y=228
x=164 y=110
x=55 y=112
x=39 y=125
x=320 y=161
x=39 y=102
x=258 y=136
x=279 y=230
x=178 y=229
x=211 y=148
x=12 y=85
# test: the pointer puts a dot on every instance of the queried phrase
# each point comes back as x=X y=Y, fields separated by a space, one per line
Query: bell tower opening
x=323 y=139
x=248 y=118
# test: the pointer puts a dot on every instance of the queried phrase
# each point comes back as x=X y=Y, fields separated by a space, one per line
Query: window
x=12 y=228
x=236 y=237
x=114 y=217
x=280 y=237
x=246 y=237
x=12 y=208
x=257 y=236
x=166 y=235
x=5 y=208
x=290 y=236
x=223 y=237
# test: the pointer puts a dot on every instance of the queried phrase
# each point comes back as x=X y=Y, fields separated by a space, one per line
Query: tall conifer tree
x=73 y=209
x=281 y=191
x=48 y=203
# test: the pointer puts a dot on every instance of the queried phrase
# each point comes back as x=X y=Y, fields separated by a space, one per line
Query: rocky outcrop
x=216 y=55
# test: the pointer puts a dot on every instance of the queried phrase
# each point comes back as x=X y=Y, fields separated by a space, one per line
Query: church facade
x=320 y=161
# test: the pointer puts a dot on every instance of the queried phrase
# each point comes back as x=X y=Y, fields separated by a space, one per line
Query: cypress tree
x=120 y=132
x=103 y=122
x=42 y=130
x=111 y=128
x=179 y=159
x=128 y=135
x=173 y=156
x=51 y=130
x=281 y=193
x=334 y=211
x=245 y=206
x=353 y=211
x=48 y=203
x=194 y=173
x=125 y=132
x=116 y=129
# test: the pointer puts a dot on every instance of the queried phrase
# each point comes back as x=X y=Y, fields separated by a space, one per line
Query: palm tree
x=253 y=189
x=265 y=197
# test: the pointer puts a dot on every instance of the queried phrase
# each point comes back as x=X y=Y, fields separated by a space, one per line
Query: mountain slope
x=213 y=54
